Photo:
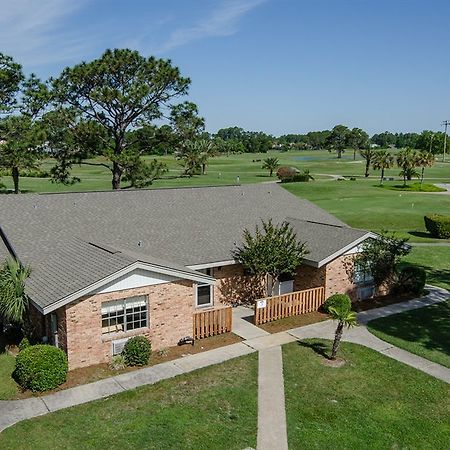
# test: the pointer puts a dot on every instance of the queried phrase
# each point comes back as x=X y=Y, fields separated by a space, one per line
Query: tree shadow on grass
x=317 y=347
x=421 y=234
x=429 y=326
x=439 y=276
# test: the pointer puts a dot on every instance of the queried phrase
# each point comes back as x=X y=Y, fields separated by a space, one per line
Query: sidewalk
x=256 y=339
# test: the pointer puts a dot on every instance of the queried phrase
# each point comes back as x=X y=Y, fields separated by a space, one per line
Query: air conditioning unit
x=118 y=345
x=366 y=292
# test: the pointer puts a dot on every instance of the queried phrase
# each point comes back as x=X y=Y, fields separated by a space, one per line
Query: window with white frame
x=204 y=294
x=362 y=275
x=125 y=314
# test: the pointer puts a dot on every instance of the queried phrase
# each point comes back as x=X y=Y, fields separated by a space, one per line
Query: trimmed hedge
x=412 y=279
x=338 y=301
x=438 y=225
x=136 y=351
x=41 y=367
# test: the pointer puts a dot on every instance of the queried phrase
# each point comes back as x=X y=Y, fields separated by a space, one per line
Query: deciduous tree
x=272 y=250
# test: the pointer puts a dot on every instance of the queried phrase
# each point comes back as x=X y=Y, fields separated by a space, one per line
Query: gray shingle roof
x=54 y=233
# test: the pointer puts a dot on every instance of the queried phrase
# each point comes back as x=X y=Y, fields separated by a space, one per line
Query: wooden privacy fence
x=292 y=304
x=212 y=321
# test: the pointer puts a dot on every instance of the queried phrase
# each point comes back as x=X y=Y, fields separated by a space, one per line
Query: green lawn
x=8 y=387
x=373 y=402
x=424 y=331
x=435 y=260
x=212 y=408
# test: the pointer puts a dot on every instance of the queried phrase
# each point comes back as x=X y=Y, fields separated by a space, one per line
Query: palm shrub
x=381 y=161
x=341 y=312
x=41 y=367
x=407 y=161
x=271 y=164
x=337 y=300
x=136 y=351
x=13 y=299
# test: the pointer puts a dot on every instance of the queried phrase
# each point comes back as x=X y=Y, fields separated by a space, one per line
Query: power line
x=446 y=123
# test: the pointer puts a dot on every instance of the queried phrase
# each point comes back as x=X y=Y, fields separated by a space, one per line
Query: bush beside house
x=41 y=368
x=137 y=351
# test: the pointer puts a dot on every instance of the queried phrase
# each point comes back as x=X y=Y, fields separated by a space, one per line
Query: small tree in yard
x=272 y=250
x=380 y=256
x=342 y=313
x=271 y=165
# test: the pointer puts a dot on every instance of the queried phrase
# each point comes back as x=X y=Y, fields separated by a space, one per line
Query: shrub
x=117 y=362
x=286 y=174
x=137 y=351
x=41 y=367
x=23 y=344
x=338 y=301
x=411 y=279
x=438 y=225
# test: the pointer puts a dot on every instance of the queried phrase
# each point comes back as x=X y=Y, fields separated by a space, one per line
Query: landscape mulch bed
x=97 y=372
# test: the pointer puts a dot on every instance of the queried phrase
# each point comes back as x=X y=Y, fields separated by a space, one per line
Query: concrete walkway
x=256 y=339
x=361 y=335
x=243 y=325
x=272 y=431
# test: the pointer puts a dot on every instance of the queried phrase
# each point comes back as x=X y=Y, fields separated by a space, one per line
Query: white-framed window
x=125 y=314
x=204 y=292
x=362 y=275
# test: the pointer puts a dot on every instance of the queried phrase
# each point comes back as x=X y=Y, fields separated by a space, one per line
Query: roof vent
x=139 y=243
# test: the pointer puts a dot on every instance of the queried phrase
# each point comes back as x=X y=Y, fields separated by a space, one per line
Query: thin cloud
x=34 y=31
x=221 y=22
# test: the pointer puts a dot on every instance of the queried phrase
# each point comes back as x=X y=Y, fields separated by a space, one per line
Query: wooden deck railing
x=292 y=304
x=212 y=321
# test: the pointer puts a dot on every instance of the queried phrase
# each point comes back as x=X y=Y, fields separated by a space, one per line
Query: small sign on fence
x=261 y=303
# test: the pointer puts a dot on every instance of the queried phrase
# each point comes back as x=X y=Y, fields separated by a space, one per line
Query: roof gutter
x=200 y=278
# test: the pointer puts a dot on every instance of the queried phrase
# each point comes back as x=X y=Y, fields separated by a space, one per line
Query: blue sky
x=281 y=66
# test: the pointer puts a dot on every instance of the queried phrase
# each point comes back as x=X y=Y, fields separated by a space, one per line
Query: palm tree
x=345 y=317
x=407 y=160
x=271 y=164
x=424 y=159
x=207 y=150
x=13 y=299
x=368 y=154
x=383 y=160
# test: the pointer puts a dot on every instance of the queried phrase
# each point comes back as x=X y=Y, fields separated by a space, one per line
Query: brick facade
x=339 y=278
x=170 y=309
x=234 y=287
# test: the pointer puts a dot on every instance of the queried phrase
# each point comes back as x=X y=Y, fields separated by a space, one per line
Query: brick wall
x=308 y=277
x=234 y=287
x=171 y=306
x=338 y=279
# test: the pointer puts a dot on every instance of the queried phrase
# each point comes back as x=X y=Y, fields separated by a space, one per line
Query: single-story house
x=110 y=265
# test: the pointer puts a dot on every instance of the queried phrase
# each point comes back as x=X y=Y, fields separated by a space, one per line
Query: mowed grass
x=212 y=408
x=8 y=387
x=372 y=402
x=424 y=331
x=436 y=262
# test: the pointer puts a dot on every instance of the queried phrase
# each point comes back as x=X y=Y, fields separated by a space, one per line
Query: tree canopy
x=273 y=250
x=116 y=92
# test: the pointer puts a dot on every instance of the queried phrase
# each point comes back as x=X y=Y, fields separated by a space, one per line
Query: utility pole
x=446 y=123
